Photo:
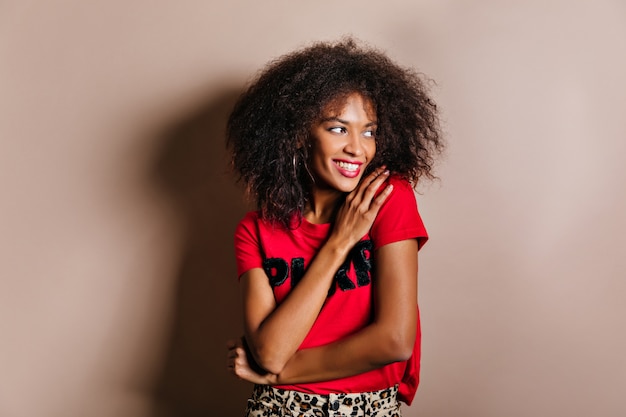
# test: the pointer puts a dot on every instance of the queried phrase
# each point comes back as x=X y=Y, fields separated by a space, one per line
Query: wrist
x=272 y=379
x=338 y=248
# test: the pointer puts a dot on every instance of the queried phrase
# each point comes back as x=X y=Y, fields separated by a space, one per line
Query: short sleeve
x=247 y=246
x=398 y=218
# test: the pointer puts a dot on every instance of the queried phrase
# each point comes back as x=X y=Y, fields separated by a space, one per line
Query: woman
x=328 y=141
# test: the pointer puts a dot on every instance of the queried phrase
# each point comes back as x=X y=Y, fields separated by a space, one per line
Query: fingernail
x=386 y=172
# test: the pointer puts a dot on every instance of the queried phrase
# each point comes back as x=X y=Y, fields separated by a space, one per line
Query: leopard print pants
x=267 y=401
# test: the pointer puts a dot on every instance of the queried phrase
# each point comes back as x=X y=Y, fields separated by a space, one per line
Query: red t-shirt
x=285 y=254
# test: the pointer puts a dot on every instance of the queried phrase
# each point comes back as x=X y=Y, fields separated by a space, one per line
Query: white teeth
x=347 y=166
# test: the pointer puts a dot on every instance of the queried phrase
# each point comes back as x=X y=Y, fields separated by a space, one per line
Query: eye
x=369 y=133
x=337 y=129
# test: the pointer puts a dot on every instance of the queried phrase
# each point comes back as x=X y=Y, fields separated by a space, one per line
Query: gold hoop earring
x=295 y=168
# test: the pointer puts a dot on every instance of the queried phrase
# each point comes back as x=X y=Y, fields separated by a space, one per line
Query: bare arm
x=390 y=337
x=273 y=332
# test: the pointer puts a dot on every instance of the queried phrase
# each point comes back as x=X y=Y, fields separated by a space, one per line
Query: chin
x=348 y=185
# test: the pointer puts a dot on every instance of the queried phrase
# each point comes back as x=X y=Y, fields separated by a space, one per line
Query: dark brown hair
x=269 y=126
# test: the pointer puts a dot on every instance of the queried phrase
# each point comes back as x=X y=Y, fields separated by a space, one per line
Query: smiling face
x=343 y=143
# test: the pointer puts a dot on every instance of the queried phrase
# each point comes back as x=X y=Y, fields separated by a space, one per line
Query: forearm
x=371 y=348
x=278 y=336
x=389 y=338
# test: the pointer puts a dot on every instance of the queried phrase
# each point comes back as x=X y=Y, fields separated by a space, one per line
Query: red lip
x=348 y=173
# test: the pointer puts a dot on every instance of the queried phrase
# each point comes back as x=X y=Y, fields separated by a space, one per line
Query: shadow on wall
x=193 y=168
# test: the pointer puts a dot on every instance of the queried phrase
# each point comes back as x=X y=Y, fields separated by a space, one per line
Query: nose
x=353 y=145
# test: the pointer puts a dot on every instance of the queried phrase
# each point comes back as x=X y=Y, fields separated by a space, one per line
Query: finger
x=380 y=199
x=370 y=192
x=365 y=182
x=357 y=193
x=375 y=175
x=235 y=353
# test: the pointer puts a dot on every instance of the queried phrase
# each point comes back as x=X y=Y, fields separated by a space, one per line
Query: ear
x=303 y=142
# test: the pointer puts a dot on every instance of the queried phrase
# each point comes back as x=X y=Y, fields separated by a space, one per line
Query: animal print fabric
x=267 y=401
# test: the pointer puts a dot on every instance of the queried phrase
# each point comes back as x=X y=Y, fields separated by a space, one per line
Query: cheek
x=371 y=150
x=322 y=150
x=317 y=158
x=317 y=153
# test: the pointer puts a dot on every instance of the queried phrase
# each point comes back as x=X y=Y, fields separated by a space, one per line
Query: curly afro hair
x=268 y=129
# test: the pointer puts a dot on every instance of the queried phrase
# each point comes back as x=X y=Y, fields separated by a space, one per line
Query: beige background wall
x=117 y=280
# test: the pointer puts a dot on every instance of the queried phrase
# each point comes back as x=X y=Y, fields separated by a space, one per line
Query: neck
x=322 y=206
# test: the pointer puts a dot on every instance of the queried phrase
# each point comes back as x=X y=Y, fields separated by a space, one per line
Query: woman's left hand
x=239 y=364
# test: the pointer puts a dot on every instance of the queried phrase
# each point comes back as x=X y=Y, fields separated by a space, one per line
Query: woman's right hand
x=360 y=208
x=240 y=364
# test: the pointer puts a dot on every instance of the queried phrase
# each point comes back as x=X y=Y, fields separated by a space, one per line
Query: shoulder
x=248 y=251
x=401 y=187
x=398 y=217
x=247 y=225
x=253 y=226
x=251 y=217
x=401 y=194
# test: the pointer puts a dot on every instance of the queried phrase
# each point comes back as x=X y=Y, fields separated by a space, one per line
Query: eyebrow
x=345 y=122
